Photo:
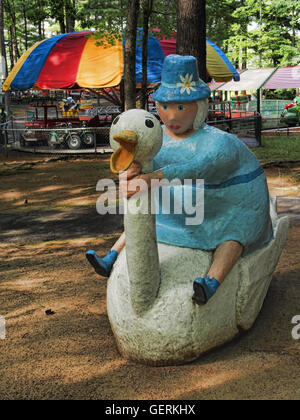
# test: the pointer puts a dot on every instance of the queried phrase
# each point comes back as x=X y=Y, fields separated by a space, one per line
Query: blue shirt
x=234 y=187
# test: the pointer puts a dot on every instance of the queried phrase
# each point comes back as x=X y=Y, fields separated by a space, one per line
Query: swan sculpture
x=150 y=309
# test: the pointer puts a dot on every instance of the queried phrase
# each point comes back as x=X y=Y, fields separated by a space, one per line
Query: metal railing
x=71 y=140
x=57 y=140
x=271 y=108
x=248 y=127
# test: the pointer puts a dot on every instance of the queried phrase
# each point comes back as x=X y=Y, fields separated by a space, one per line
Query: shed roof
x=284 y=78
x=249 y=80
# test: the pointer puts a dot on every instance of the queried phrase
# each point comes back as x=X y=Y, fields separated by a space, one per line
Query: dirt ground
x=48 y=220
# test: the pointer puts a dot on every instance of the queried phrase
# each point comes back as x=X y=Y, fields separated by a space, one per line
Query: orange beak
x=123 y=157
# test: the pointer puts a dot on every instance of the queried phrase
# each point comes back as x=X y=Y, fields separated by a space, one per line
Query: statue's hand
x=127 y=180
x=133 y=171
x=138 y=184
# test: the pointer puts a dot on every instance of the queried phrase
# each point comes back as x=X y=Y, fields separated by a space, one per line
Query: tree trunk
x=39 y=23
x=293 y=30
x=11 y=50
x=40 y=30
x=70 y=16
x=4 y=69
x=244 y=27
x=15 y=42
x=191 y=32
x=130 y=53
x=59 y=14
x=15 y=55
x=25 y=25
x=244 y=57
x=147 y=9
x=62 y=26
x=2 y=42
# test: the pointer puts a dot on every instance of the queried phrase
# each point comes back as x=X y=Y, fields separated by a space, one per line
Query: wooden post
x=258 y=95
x=5 y=140
x=258 y=126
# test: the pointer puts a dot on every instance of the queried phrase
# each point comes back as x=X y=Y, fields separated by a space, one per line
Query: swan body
x=149 y=305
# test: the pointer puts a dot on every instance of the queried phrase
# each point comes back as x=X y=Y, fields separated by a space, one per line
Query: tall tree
x=191 y=31
x=70 y=9
x=130 y=53
x=2 y=43
x=58 y=13
x=268 y=29
x=219 y=20
x=3 y=60
x=146 y=12
x=11 y=9
x=164 y=16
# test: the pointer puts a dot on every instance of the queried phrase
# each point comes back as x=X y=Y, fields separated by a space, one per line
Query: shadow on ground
x=43 y=226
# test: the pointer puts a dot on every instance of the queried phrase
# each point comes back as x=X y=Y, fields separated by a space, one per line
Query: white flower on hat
x=187 y=84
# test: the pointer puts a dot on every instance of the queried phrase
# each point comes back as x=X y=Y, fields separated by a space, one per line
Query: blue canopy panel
x=32 y=67
x=155 y=59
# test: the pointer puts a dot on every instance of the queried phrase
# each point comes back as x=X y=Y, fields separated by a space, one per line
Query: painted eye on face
x=180 y=107
x=165 y=107
x=116 y=120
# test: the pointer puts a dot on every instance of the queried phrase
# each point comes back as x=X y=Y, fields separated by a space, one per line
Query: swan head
x=134 y=135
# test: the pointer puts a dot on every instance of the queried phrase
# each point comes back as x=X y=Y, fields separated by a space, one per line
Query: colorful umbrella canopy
x=218 y=65
x=74 y=60
x=65 y=61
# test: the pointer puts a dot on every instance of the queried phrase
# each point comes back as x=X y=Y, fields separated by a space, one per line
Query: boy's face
x=178 y=117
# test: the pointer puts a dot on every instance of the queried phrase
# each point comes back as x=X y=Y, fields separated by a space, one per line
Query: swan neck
x=141 y=253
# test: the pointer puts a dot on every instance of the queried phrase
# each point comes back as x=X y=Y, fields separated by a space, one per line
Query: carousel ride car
x=53 y=126
x=291 y=114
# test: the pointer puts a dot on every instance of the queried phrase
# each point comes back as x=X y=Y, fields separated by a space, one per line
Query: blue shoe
x=102 y=266
x=204 y=289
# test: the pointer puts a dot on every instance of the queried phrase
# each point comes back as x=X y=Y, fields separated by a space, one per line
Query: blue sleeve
x=219 y=161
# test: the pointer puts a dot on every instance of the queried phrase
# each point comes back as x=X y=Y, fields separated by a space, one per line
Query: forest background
x=252 y=33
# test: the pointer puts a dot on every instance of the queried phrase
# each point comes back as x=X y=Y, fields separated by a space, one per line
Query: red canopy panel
x=168 y=45
x=284 y=78
x=63 y=62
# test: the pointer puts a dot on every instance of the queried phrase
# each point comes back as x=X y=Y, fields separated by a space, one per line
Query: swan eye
x=116 y=120
x=149 y=123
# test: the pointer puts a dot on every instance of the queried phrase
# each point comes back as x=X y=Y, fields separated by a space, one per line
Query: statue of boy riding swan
x=237 y=228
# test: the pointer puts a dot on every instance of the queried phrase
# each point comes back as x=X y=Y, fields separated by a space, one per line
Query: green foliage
x=107 y=17
x=45 y=18
x=268 y=30
x=220 y=20
x=163 y=17
x=279 y=93
x=256 y=33
x=252 y=33
x=111 y=20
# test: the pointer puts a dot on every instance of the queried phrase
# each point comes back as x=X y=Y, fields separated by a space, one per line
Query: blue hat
x=180 y=80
